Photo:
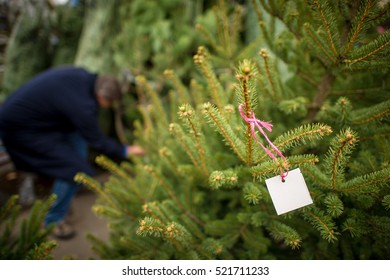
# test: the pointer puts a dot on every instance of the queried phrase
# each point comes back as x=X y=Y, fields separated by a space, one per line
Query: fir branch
x=119 y=128
x=270 y=77
x=307 y=77
x=254 y=241
x=368 y=183
x=295 y=106
x=144 y=247
x=318 y=43
x=173 y=104
x=42 y=251
x=150 y=209
x=193 y=227
x=99 y=246
x=169 y=157
x=252 y=193
x=302 y=160
x=197 y=92
x=109 y=165
x=316 y=175
x=236 y=27
x=178 y=234
x=267 y=168
x=339 y=114
x=158 y=211
x=8 y=215
x=356 y=226
x=114 y=169
x=29 y=240
x=227 y=179
x=334 y=205
x=228 y=225
x=380 y=227
x=223 y=27
x=261 y=21
x=8 y=208
x=378 y=64
x=245 y=93
x=250 y=49
x=285 y=233
x=367 y=51
x=272 y=167
x=217 y=120
x=386 y=202
x=187 y=114
x=322 y=223
x=110 y=212
x=171 y=193
x=156 y=104
x=329 y=23
x=184 y=96
x=212 y=247
x=300 y=135
x=209 y=38
x=150 y=227
x=165 y=185
x=94 y=185
x=201 y=59
x=338 y=154
x=124 y=195
x=147 y=124
x=31 y=232
x=358 y=24
x=185 y=143
x=371 y=114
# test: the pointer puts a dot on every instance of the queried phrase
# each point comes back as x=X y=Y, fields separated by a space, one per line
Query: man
x=47 y=124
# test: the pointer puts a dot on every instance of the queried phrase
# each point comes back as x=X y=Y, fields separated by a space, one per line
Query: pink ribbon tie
x=253 y=122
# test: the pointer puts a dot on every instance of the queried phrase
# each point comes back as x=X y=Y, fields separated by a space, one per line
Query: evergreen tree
x=319 y=70
x=43 y=36
x=25 y=238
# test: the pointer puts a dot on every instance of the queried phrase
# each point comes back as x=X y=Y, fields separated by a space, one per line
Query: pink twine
x=253 y=122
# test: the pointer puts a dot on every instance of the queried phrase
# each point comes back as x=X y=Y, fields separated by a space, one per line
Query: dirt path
x=84 y=221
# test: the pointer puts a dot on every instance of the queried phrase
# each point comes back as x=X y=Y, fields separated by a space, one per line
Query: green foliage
x=143 y=37
x=200 y=193
x=28 y=48
x=43 y=36
x=25 y=239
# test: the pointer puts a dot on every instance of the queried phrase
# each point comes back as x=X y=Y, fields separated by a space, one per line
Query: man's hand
x=134 y=150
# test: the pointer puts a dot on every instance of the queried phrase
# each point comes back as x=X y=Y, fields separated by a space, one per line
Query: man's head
x=107 y=90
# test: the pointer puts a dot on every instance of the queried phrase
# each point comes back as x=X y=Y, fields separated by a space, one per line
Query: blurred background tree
x=318 y=69
x=41 y=35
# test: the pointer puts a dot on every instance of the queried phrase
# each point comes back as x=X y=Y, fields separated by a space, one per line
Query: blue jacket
x=36 y=118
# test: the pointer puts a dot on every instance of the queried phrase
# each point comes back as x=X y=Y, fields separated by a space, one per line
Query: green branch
x=359 y=24
x=217 y=120
x=187 y=113
x=327 y=24
x=185 y=143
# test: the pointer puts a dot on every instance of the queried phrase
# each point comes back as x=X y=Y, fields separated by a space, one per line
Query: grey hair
x=108 y=87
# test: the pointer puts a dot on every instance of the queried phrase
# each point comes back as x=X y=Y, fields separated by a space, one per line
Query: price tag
x=290 y=194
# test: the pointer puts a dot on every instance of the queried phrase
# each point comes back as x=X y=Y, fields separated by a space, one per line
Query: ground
x=84 y=221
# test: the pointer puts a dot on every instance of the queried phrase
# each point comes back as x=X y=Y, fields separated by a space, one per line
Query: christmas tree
x=43 y=35
x=24 y=238
x=319 y=70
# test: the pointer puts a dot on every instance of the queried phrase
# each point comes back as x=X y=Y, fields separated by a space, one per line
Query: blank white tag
x=290 y=194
